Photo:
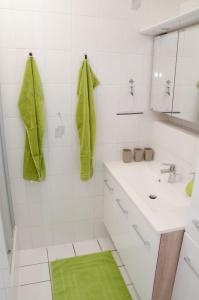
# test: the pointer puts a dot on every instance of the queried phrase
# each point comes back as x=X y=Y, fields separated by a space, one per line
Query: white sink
x=169 y=211
x=146 y=180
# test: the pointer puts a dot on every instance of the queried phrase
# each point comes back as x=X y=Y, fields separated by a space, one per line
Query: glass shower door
x=6 y=208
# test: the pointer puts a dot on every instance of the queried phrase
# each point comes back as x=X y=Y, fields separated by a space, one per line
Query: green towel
x=31 y=107
x=86 y=120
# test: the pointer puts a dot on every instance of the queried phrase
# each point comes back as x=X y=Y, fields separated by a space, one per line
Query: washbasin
x=153 y=188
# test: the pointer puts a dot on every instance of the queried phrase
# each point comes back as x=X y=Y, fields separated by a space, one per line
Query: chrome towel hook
x=168 y=87
x=131 y=81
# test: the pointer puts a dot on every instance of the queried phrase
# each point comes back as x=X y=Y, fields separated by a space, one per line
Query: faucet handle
x=168 y=164
x=171 y=165
x=194 y=174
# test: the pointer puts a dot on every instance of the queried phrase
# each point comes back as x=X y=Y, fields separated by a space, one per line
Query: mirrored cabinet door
x=164 y=67
x=186 y=96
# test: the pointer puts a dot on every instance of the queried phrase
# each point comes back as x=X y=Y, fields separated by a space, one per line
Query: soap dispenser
x=190 y=184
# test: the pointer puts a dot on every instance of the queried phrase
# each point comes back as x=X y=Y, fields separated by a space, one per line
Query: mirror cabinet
x=175 y=77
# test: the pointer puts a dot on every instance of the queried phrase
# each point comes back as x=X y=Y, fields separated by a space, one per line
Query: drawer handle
x=108 y=186
x=196 y=223
x=135 y=227
x=121 y=207
x=189 y=263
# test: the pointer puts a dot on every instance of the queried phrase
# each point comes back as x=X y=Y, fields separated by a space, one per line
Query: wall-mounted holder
x=59 y=129
x=170 y=112
x=129 y=113
x=132 y=88
x=168 y=87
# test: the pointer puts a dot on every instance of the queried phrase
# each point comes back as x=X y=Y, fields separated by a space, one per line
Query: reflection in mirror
x=164 y=65
x=186 y=97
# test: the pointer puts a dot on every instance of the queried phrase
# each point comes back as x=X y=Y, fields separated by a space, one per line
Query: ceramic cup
x=148 y=154
x=138 y=154
x=127 y=155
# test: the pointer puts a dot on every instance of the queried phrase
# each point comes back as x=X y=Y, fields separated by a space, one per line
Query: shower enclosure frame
x=6 y=204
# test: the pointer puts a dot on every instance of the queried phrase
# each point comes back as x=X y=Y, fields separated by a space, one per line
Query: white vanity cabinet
x=163 y=76
x=146 y=253
x=187 y=278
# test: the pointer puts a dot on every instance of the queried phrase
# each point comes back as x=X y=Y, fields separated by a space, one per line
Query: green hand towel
x=31 y=107
x=86 y=120
x=189 y=188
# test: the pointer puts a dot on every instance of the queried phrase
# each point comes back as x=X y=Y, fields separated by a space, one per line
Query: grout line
x=31 y=283
x=74 y=249
x=24 y=266
x=49 y=273
x=100 y=246
x=40 y=11
x=122 y=265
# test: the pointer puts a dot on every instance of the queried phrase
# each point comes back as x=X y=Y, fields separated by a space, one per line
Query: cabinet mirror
x=175 y=78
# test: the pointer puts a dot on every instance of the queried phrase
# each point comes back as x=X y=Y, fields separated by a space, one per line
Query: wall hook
x=131 y=81
x=168 y=87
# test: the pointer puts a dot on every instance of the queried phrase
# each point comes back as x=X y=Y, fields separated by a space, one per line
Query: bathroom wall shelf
x=176 y=23
x=129 y=113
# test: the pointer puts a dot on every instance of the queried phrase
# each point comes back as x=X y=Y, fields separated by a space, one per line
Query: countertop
x=142 y=178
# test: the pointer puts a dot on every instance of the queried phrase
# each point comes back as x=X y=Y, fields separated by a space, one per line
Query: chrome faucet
x=171 y=171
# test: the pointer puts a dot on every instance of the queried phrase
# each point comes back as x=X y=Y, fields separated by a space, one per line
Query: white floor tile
x=60 y=252
x=117 y=258
x=39 y=291
x=31 y=257
x=106 y=244
x=125 y=275
x=86 y=247
x=33 y=274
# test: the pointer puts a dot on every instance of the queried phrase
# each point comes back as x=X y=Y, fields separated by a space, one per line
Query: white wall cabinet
x=186 y=98
x=175 y=77
x=147 y=255
x=187 y=279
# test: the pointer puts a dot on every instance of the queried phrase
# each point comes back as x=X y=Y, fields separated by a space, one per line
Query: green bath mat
x=88 y=277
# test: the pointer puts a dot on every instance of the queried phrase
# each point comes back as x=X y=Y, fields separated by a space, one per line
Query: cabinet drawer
x=187 y=277
x=109 y=182
x=133 y=237
x=143 y=253
x=137 y=243
x=193 y=225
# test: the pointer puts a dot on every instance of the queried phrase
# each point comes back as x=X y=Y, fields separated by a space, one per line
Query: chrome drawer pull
x=135 y=227
x=196 y=223
x=188 y=262
x=122 y=208
x=108 y=186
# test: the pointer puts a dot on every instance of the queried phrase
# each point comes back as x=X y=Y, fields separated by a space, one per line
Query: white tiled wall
x=175 y=145
x=188 y=5
x=63 y=209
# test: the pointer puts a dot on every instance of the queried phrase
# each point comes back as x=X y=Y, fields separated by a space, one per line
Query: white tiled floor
x=31 y=257
x=33 y=274
x=86 y=247
x=61 y=251
x=39 y=291
x=34 y=277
